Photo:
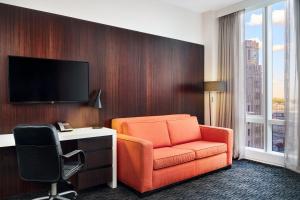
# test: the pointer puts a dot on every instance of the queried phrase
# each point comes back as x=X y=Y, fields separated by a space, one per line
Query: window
x=265 y=42
x=255 y=135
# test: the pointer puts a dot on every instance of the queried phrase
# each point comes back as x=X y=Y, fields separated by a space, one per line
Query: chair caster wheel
x=75 y=197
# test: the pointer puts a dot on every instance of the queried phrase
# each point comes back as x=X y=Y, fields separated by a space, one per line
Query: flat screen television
x=36 y=80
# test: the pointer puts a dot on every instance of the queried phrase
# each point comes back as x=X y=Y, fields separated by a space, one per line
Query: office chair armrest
x=79 y=153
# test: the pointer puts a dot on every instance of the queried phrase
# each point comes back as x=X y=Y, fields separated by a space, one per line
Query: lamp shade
x=96 y=101
x=215 y=86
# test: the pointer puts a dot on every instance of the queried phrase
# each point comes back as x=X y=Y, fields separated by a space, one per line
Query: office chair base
x=54 y=195
x=59 y=196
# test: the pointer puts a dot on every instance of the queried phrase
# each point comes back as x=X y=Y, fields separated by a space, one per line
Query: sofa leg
x=228 y=167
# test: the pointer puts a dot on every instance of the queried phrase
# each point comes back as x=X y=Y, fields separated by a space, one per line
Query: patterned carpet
x=245 y=180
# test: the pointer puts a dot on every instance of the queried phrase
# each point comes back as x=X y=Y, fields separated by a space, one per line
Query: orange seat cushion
x=184 y=130
x=204 y=149
x=155 y=132
x=168 y=156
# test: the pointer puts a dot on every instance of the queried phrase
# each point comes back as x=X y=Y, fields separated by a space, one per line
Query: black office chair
x=40 y=158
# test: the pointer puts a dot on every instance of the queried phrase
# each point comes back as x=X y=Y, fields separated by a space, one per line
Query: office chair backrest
x=38 y=152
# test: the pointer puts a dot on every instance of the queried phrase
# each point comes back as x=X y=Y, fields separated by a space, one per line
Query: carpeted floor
x=245 y=180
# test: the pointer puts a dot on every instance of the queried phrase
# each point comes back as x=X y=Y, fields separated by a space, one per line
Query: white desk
x=7 y=140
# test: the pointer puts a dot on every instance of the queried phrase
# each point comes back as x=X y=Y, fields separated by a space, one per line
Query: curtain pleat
x=292 y=136
x=229 y=65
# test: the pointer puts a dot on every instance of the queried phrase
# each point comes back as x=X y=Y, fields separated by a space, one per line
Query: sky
x=254 y=31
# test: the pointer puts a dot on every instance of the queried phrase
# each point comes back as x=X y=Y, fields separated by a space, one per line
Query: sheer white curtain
x=292 y=137
x=230 y=69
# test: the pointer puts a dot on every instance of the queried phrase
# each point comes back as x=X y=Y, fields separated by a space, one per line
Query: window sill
x=259 y=155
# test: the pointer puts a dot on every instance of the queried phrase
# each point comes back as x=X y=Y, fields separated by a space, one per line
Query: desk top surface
x=7 y=140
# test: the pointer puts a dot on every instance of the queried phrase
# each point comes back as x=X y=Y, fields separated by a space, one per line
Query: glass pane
x=254 y=62
x=278 y=67
x=278 y=132
x=278 y=58
x=255 y=135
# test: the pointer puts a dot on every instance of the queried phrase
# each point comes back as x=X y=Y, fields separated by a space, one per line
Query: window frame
x=266 y=154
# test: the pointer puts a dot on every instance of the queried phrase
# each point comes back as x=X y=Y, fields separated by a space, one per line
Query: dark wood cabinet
x=98 y=158
x=99 y=146
x=96 y=143
x=94 y=177
x=98 y=168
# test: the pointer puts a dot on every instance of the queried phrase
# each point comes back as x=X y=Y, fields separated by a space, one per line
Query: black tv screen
x=36 y=80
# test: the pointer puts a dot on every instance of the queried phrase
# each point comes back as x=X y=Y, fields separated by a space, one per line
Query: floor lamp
x=213 y=86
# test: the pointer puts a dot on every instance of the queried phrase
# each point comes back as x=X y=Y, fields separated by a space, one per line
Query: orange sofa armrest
x=135 y=162
x=218 y=134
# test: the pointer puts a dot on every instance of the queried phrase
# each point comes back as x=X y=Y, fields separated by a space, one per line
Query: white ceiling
x=202 y=5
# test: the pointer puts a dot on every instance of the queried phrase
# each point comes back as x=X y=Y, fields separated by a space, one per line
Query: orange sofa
x=156 y=151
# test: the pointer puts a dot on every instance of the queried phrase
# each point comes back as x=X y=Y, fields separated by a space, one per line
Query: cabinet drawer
x=95 y=177
x=98 y=158
x=91 y=144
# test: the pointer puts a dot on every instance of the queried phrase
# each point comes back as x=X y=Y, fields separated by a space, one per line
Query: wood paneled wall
x=139 y=74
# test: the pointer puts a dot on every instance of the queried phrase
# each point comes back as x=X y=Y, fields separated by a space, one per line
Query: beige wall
x=210 y=41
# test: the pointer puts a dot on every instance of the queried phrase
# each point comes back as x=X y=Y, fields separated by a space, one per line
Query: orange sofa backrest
x=184 y=130
x=156 y=132
x=117 y=123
